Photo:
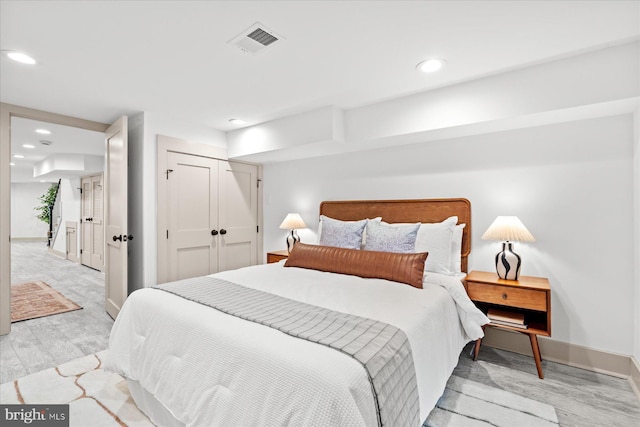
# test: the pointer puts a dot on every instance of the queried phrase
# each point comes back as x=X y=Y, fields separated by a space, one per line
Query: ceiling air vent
x=255 y=39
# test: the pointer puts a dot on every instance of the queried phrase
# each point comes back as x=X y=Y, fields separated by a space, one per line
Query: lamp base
x=292 y=239
x=508 y=262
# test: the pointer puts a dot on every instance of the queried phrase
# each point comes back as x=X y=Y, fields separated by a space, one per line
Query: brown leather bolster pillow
x=403 y=268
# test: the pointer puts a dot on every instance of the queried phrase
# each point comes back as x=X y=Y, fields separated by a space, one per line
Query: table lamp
x=292 y=222
x=508 y=229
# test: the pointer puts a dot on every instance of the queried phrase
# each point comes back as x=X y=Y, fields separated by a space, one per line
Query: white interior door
x=115 y=217
x=85 y=217
x=97 y=223
x=92 y=222
x=192 y=199
x=238 y=215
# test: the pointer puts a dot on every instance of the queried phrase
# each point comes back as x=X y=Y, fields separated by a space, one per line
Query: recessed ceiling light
x=43 y=131
x=237 y=122
x=20 y=57
x=18 y=156
x=28 y=146
x=431 y=65
x=12 y=164
x=42 y=180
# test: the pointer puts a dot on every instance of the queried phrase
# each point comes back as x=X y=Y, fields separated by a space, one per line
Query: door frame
x=7 y=111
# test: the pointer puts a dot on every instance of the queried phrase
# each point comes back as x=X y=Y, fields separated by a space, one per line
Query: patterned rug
x=95 y=397
x=100 y=398
x=38 y=299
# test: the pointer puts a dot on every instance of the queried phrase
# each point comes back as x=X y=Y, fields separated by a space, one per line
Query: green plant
x=46 y=201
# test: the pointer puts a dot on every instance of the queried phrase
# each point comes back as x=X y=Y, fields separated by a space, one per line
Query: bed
x=189 y=364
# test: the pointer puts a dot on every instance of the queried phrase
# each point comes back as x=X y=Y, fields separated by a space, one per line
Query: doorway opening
x=63 y=157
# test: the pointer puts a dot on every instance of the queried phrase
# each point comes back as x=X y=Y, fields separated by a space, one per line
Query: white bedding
x=211 y=369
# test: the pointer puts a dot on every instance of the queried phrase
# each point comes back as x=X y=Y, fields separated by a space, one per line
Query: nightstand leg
x=476 y=349
x=536 y=354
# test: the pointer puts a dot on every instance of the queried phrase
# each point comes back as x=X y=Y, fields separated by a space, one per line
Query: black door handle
x=214 y=232
x=223 y=231
x=116 y=238
x=125 y=237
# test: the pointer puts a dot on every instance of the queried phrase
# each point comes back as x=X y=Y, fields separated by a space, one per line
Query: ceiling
x=98 y=60
x=61 y=140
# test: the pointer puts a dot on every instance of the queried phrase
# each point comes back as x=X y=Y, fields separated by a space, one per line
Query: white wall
x=24 y=198
x=70 y=204
x=144 y=129
x=570 y=183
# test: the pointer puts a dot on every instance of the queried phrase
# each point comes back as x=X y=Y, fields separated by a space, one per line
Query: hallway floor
x=47 y=342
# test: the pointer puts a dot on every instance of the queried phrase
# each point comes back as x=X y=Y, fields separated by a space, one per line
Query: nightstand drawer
x=509 y=296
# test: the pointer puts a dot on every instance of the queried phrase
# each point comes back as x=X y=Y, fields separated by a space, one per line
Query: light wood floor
x=581 y=398
x=46 y=342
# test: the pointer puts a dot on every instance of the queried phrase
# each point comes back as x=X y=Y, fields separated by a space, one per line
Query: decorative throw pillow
x=341 y=234
x=402 y=268
x=385 y=238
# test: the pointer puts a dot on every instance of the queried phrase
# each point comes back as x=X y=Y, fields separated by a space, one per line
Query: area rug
x=466 y=403
x=38 y=299
x=96 y=397
x=100 y=398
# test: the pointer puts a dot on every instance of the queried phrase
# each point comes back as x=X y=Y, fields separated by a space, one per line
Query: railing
x=55 y=213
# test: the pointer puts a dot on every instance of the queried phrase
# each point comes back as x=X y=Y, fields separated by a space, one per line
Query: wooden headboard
x=412 y=210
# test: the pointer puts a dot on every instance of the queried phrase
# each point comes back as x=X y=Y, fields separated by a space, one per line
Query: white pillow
x=456 y=249
x=436 y=238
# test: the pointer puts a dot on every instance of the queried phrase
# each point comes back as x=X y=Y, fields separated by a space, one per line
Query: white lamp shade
x=508 y=228
x=293 y=221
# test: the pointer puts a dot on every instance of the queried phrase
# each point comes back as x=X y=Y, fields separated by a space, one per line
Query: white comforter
x=211 y=369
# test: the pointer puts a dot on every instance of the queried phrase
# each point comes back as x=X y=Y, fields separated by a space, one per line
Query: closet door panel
x=238 y=215
x=192 y=215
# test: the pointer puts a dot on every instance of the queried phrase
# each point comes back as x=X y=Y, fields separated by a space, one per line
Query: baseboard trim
x=28 y=239
x=58 y=253
x=566 y=353
x=73 y=258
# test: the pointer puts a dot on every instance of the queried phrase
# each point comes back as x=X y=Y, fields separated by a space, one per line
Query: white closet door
x=192 y=214
x=238 y=215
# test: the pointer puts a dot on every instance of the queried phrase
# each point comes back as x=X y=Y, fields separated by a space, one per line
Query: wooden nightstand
x=530 y=296
x=276 y=256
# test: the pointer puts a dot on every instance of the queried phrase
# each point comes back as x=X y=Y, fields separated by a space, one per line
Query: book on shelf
x=513 y=325
x=507 y=318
